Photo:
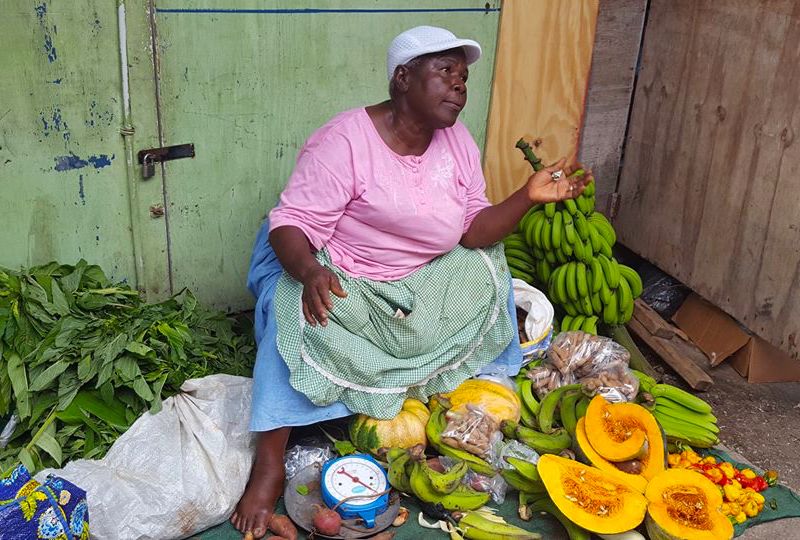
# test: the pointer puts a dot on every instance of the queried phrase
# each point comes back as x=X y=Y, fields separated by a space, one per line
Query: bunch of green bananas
x=566 y=249
x=412 y=474
x=487 y=526
x=684 y=417
x=569 y=400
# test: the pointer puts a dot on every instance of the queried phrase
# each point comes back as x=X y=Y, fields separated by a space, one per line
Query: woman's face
x=437 y=87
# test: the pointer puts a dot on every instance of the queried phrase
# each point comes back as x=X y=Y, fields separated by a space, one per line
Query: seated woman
x=378 y=275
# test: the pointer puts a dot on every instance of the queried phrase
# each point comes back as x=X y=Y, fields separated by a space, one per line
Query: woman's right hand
x=318 y=284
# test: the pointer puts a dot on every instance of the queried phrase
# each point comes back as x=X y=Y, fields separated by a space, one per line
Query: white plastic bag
x=539 y=321
x=174 y=473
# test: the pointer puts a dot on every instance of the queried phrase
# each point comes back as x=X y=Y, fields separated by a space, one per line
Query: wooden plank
x=616 y=50
x=681 y=356
x=709 y=184
x=544 y=52
x=652 y=321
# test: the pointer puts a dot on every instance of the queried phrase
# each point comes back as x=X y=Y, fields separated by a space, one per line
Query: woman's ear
x=401 y=78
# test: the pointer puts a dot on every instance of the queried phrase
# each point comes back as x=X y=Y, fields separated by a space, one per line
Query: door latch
x=148 y=158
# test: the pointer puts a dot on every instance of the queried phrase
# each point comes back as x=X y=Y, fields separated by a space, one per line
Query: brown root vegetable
x=282 y=526
x=326 y=521
x=385 y=535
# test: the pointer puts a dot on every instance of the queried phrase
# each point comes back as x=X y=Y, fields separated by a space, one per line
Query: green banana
x=547 y=240
x=574 y=532
x=399 y=472
x=516 y=241
x=557 y=230
x=550 y=209
x=597 y=305
x=561 y=283
x=567 y=411
x=610 y=272
x=633 y=278
x=646 y=382
x=462 y=497
x=448 y=481
x=566 y=246
x=577 y=322
x=524 y=256
x=433 y=430
x=572 y=287
x=526 y=417
x=581 y=281
x=625 y=301
x=666 y=403
x=519 y=482
x=595 y=238
x=569 y=229
x=570 y=309
x=533 y=230
x=549 y=404
x=522 y=266
x=560 y=256
x=566 y=323
x=476 y=526
x=543 y=271
x=690 y=401
x=605 y=248
x=590 y=326
x=689 y=417
x=579 y=248
x=611 y=310
x=678 y=430
x=519 y=274
x=604 y=227
x=550 y=257
x=571 y=207
x=597 y=275
x=581 y=226
x=582 y=405
x=544 y=443
x=527 y=397
x=525 y=468
x=586 y=305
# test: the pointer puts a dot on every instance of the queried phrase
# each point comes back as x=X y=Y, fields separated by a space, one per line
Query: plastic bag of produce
x=472 y=429
x=534 y=319
x=174 y=473
x=598 y=363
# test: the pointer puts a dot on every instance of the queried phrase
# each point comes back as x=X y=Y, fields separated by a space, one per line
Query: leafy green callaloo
x=81 y=358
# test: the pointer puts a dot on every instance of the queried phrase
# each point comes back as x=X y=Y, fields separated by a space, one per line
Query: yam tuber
x=282 y=526
x=326 y=521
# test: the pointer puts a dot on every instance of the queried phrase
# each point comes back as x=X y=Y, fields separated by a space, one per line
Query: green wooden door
x=247 y=84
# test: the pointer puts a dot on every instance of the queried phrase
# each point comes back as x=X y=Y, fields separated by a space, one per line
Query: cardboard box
x=720 y=337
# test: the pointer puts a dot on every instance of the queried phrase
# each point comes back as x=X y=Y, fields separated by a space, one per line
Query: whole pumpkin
x=405 y=430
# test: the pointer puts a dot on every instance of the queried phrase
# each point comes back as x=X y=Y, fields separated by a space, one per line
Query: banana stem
x=619 y=333
x=530 y=157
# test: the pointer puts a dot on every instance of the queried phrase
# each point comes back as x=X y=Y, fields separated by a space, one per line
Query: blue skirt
x=275 y=402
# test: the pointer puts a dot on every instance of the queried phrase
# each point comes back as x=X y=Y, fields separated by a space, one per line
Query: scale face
x=355 y=475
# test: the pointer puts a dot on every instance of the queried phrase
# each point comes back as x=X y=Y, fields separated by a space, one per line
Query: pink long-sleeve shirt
x=381 y=215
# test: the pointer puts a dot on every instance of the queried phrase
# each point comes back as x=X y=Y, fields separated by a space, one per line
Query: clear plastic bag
x=495 y=485
x=511 y=448
x=598 y=363
x=299 y=457
x=472 y=430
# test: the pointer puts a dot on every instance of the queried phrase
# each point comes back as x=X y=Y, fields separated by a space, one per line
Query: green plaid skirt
x=454 y=322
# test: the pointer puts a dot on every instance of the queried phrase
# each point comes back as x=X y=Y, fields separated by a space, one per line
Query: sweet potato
x=282 y=526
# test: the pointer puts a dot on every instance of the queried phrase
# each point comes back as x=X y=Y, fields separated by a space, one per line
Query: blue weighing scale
x=356 y=474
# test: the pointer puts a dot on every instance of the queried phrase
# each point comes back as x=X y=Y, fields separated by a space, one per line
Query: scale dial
x=350 y=476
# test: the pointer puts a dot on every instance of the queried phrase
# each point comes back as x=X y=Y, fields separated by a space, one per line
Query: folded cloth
x=56 y=509
x=275 y=402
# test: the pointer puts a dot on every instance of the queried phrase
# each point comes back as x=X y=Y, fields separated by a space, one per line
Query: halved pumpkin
x=494 y=398
x=684 y=504
x=592 y=499
x=587 y=453
x=614 y=430
x=653 y=454
x=405 y=430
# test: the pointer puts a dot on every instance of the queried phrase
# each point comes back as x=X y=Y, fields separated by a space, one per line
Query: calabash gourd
x=493 y=398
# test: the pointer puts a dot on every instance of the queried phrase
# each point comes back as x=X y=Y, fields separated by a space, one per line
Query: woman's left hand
x=544 y=188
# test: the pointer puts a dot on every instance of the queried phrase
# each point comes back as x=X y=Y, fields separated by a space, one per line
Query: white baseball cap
x=422 y=40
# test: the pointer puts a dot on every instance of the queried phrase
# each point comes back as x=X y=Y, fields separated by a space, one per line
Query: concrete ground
x=759 y=424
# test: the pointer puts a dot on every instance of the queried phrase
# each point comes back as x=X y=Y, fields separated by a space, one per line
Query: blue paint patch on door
x=71 y=162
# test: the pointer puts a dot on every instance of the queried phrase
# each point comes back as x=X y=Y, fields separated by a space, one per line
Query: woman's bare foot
x=265 y=485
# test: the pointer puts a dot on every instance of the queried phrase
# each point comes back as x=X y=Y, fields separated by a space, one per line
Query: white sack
x=174 y=473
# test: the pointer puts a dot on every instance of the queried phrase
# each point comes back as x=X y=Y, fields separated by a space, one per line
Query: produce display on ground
x=81 y=358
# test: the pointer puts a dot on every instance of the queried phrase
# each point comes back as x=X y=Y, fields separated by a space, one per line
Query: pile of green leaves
x=81 y=358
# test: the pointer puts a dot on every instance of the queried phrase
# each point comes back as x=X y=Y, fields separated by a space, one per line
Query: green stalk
x=530 y=157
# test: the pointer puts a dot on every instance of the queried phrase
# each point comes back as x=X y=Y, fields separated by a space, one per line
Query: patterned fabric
x=391 y=340
x=55 y=510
